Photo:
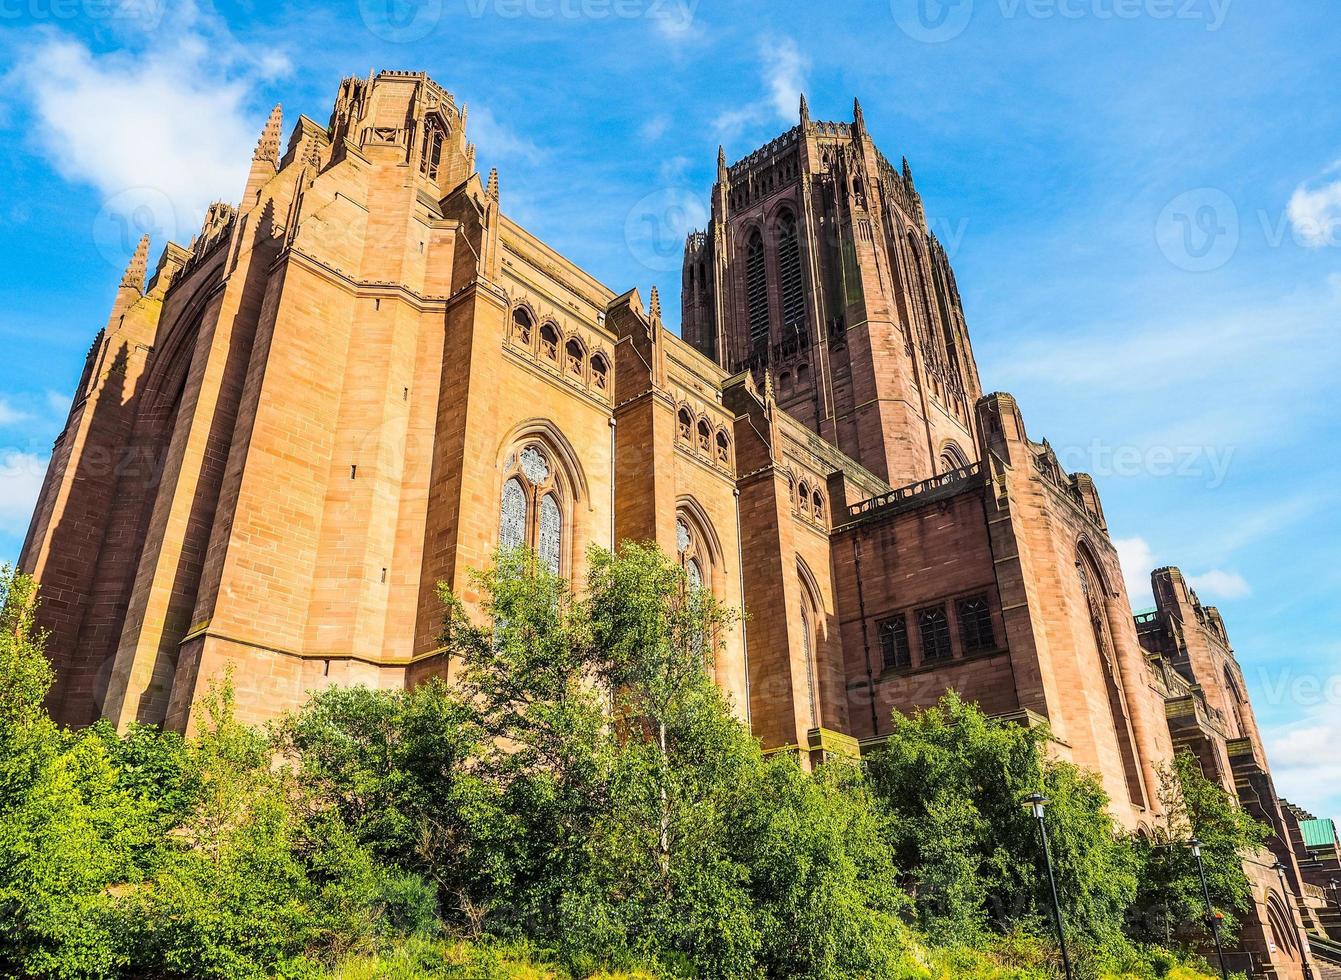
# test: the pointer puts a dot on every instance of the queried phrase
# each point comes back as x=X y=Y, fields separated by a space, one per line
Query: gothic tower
x=819 y=268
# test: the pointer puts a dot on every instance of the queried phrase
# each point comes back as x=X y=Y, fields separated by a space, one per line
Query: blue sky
x=1142 y=199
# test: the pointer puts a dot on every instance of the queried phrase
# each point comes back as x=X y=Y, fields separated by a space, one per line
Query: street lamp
x=1279 y=868
x=1336 y=895
x=1038 y=802
x=1211 y=915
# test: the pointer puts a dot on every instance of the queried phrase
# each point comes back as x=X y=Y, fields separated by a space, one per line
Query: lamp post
x=1336 y=893
x=1279 y=868
x=1038 y=802
x=1211 y=915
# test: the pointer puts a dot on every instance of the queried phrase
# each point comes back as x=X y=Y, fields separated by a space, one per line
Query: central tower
x=819 y=268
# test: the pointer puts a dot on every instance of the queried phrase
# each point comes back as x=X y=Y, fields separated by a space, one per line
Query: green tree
x=1170 y=905
x=953 y=781
x=69 y=833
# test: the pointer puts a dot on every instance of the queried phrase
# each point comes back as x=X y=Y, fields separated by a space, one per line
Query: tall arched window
x=1235 y=700
x=695 y=552
x=789 y=276
x=811 y=616
x=808 y=649
x=430 y=157
x=756 y=291
x=1091 y=586
x=531 y=513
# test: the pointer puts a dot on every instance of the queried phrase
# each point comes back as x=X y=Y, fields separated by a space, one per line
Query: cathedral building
x=364 y=378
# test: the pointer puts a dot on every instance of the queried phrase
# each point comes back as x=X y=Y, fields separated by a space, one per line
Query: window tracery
x=549 y=341
x=600 y=372
x=531 y=512
x=523 y=327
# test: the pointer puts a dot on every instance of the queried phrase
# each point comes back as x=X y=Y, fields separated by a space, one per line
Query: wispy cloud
x=654 y=128
x=677 y=21
x=20 y=481
x=9 y=415
x=1220 y=584
x=1138 y=561
x=160 y=127
x=498 y=142
x=1315 y=210
x=783 y=69
x=1303 y=757
x=785 y=74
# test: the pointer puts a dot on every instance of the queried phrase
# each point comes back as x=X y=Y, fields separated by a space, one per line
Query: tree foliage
x=579 y=797
x=1170 y=904
x=954 y=782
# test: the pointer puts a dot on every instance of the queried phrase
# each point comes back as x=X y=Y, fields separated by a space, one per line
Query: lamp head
x=1196 y=847
x=1037 y=802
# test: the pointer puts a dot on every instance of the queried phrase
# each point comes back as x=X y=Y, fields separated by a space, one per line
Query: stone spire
x=768 y=386
x=654 y=306
x=721 y=163
x=907 y=173
x=492 y=189
x=265 y=161
x=133 y=277
x=858 y=119
x=267 y=147
x=805 y=111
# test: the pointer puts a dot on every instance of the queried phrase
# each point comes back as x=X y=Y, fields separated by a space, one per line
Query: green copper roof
x=1318 y=833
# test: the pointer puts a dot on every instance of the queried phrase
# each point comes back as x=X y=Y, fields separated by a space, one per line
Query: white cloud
x=783 y=76
x=654 y=128
x=1304 y=762
x=675 y=21
x=1138 y=561
x=20 y=481
x=496 y=141
x=9 y=415
x=158 y=132
x=1315 y=211
x=1219 y=584
x=785 y=73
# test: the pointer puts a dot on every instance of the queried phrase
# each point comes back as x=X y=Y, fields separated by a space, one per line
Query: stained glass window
x=551 y=533
x=512 y=526
x=681 y=536
x=534 y=465
x=807 y=642
x=694 y=573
